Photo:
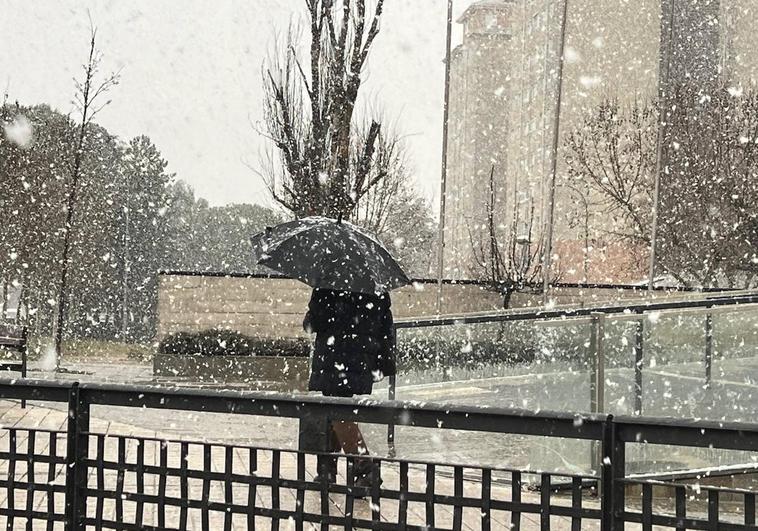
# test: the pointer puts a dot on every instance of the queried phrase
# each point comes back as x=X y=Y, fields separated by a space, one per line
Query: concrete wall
x=274 y=307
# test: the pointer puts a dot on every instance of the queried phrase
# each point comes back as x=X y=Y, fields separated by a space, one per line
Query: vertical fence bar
x=576 y=504
x=545 y=502
x=429 y=512
x=713 y=510
x=402 y=512
x=350 y=496
x=120 y=477
x=162 y=480
x=681 y=508
x=139 y=515
x=376 y=493
x=708 y=349
x=100 y=482
x=76 y=452
x=647 y=507
x=639 y=338
x=457 y=494
x=183 y=484
x=613 y=470
x=299 y=496
x=228 y=486
x=51 y=474
x=486 y=524
x=205 y=499
x=516 y=500
x=10 y=499
x=749 y=500
x=30 y=478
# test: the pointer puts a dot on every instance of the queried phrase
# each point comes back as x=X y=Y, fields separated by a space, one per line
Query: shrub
x=231 y=343
x=509 y=343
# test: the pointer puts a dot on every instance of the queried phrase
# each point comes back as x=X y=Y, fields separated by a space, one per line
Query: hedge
x=230 y=343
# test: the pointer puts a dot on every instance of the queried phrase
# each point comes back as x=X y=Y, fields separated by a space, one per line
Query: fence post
x=639 y=341
x=613 y=470
x=77 y=440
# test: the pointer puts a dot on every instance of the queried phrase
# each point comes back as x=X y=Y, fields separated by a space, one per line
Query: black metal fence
x=77 y=479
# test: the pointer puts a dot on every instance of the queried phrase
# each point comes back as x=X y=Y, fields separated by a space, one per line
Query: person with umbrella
x=349 y=311
x=354 y=348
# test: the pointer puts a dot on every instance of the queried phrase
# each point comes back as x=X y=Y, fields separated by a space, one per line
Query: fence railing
x=597 y=318
x=109 y=481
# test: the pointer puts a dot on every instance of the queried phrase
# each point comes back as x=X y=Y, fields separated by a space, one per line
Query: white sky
x=191 y=76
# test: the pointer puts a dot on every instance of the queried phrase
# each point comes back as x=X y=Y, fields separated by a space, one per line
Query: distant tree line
x=132 y=219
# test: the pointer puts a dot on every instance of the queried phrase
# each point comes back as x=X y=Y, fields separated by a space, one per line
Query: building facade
x=503 y=96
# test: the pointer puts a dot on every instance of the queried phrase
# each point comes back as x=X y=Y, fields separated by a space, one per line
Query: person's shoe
x=363 y=475
x=328 y=477
x=327 y=471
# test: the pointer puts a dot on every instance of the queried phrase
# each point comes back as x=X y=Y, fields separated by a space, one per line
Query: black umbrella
x=327 y=253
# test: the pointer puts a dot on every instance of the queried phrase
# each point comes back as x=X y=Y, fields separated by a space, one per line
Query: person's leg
x=349 y=438
x=316 y=437
x=351 y=441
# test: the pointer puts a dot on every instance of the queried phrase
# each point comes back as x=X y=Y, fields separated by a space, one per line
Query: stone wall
x=274 y=307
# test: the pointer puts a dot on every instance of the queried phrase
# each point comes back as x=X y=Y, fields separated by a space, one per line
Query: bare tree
x=395 y=213
x=508 y=257
x=581 y=198
x=88 y=97
x=613 y=154
x=326 y=159
x=710 y=164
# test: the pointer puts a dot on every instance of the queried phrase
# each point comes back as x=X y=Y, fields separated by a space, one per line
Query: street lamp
x=523 y=242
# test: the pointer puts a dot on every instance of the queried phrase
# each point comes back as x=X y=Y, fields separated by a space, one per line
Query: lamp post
x=547 y=257
x=523 y=242
x=662 y=82
x=443 y=177
x=125 y=286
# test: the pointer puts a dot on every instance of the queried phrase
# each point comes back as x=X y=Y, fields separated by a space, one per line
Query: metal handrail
x=632 y=429
x=610 y=434
x=631 y=307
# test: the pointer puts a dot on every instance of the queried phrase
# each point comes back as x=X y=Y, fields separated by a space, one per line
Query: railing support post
x=391 y=426
x=639 y=360
x=77 y=440
x=391 y=388
x=708 y=349
x=613 y=470
x=24 y=357
x=597 y=378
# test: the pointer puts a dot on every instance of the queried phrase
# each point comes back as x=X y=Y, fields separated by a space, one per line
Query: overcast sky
x=191 y=76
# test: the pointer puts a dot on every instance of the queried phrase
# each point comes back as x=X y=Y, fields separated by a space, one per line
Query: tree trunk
x=22 y=296
x=5 y=300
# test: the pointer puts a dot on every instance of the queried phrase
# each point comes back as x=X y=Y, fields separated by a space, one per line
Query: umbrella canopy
x=328 y=253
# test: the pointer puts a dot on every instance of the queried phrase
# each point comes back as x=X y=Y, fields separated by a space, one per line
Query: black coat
x=354 y=341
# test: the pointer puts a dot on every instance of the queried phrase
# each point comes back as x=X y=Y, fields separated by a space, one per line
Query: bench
x=13 y=338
